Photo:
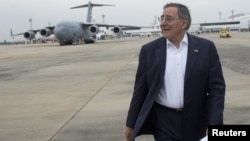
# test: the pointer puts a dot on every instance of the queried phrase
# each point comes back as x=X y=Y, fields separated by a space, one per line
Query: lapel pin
x=196 y=50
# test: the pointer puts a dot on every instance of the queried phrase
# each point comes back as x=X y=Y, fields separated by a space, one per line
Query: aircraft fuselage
x=70 y=32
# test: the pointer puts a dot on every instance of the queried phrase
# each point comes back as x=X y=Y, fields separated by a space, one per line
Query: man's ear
x=184 y=24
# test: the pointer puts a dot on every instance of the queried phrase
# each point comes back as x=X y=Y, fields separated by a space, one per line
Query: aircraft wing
x=30 y=34
x=86 y=5
x=124 y=27
x=117 y=29
x=34 y=31
x=50 y=27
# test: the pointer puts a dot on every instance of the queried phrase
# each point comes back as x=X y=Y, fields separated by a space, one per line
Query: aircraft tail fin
x=11 y=34
x=90 y=5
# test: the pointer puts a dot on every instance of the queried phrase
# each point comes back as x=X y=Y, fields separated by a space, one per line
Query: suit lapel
x=193 y=51
x=161 y=56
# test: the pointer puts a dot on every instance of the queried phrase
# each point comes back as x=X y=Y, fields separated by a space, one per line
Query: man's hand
x=128 y=133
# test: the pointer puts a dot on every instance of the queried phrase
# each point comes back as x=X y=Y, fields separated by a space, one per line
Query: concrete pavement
x=82 y=92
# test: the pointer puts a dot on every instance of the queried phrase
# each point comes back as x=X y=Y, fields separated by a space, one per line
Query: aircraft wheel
x=62 y=43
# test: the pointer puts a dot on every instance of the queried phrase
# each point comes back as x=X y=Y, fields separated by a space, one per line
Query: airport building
x=237 y=23
x=234 y=23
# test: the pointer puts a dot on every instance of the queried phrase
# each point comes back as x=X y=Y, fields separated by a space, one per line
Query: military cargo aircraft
x=69 y=32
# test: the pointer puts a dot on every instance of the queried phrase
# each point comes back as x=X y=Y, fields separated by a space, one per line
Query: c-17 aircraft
x=68 y=32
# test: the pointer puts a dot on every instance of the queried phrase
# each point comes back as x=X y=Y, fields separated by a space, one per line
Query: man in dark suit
x=179 y=88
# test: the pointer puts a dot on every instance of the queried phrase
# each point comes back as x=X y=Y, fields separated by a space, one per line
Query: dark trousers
x=167 y=123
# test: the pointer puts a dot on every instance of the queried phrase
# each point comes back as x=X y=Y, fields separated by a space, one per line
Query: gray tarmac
x=82 y=92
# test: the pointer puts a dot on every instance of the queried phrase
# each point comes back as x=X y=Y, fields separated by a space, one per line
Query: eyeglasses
x=168 y=18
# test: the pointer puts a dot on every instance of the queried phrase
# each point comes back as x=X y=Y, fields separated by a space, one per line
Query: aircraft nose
x=58 y=33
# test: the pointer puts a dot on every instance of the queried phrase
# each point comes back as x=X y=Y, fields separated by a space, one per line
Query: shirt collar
x=184 y=41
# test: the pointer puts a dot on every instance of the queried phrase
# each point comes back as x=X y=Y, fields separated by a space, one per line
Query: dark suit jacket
x=204 y=87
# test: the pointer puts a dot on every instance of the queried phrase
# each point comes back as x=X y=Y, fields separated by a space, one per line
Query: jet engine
x=46 y=32
x=29 y=35
x=93 y=29
x=117 y=30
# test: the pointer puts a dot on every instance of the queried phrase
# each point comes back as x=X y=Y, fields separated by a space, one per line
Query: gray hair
x=183 y=12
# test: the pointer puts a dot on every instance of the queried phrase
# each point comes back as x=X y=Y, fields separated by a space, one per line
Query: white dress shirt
x=172 y=92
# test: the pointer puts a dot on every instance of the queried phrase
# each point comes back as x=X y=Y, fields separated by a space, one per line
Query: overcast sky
x=15 y=14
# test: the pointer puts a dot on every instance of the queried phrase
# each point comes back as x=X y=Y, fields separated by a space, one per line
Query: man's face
x=171 y=25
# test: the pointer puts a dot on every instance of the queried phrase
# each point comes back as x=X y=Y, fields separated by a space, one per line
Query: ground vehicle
x=224 y=33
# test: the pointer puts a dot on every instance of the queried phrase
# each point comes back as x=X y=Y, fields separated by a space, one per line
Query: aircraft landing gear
x=62 y=43
x=88 y=41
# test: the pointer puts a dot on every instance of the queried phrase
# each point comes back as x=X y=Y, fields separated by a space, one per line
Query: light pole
x=232 y=14
x=249 y=25
x=103 y=19
x=220 y=15
x=30 y=20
